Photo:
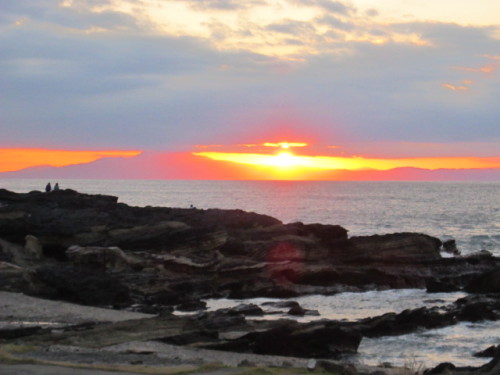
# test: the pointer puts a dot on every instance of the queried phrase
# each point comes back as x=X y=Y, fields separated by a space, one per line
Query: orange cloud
x=486 y=69
x=14 y=159
x=452 y=87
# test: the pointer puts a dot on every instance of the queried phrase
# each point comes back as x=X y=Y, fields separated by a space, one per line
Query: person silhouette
x=56 y=186
x=48 y=187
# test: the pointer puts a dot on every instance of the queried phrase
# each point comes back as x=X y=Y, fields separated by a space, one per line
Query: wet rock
x=450 y=246
x=192 y=305
x=300 y=311
x=440 y=286
x=491 y=368
x=297 y=311
x=488 y=282
x=249 y=309
x=476 y=308
x=282 y=304
x=490 y=352
x=393 y=248
x=310 y=340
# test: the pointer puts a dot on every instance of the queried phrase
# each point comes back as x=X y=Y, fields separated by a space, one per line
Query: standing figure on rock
x=48 y=187
x=56 y=186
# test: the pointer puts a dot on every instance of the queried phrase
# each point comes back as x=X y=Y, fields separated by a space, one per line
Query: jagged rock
x=282 y=304
x=82 y=286
x=450 y=246
x=300 y=311
x=393 y=248
x=170 y=253
x=492 y=351
x=102 y=258
x=13 y=278
x=310 y=340
x=488 y=282
x=440 y=286
x=192 y=305
x=21 y=255
x=297 y=311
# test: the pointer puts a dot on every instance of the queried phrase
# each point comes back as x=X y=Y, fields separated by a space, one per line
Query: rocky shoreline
x=92 y=250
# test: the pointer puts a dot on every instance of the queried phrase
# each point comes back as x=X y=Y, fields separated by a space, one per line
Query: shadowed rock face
x=171 y=256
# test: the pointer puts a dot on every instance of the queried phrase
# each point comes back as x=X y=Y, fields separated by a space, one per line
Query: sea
x=468 y=212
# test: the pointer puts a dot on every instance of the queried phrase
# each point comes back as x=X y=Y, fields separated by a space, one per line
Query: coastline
x=95 y=251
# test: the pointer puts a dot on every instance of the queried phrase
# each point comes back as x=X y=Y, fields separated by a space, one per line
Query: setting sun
x=285 y=160
x=287 y=165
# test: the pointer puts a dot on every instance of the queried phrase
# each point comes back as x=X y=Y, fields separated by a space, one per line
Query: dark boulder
x=395 y=248
x=80 y=286
x=488 y=282
x=490 y=352
x=440 y=286
x=191 y=305
x=450 y=246
x=311 y=340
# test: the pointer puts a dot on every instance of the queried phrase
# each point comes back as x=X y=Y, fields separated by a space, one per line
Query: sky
x=363 y=80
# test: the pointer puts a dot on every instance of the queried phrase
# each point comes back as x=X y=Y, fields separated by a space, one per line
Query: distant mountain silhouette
x=156 y=165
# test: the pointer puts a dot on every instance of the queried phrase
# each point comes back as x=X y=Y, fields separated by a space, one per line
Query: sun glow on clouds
x=14 y=159
x=287 y=29
x=285 y=164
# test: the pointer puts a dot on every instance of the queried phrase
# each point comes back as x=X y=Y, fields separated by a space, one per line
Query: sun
x=285 y=160
x=284 y=164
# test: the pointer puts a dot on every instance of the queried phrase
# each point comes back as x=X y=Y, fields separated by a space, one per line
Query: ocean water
x=468 y=212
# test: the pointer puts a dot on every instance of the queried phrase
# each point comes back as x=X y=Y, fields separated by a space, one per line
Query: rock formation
x=92 y=250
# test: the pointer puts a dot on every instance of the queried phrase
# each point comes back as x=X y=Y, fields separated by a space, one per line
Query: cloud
x=336 y=23
x=81 y=15
x=486 y=69
x=91 y=74
x=292 y=27
x=223 y=5
x=327 y=5
x=452 y=87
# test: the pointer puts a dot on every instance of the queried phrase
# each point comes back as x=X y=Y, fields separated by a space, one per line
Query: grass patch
x=12 y=354
x=9 y=354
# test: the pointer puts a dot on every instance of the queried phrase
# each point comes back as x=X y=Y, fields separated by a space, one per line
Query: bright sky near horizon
x=369 y=79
